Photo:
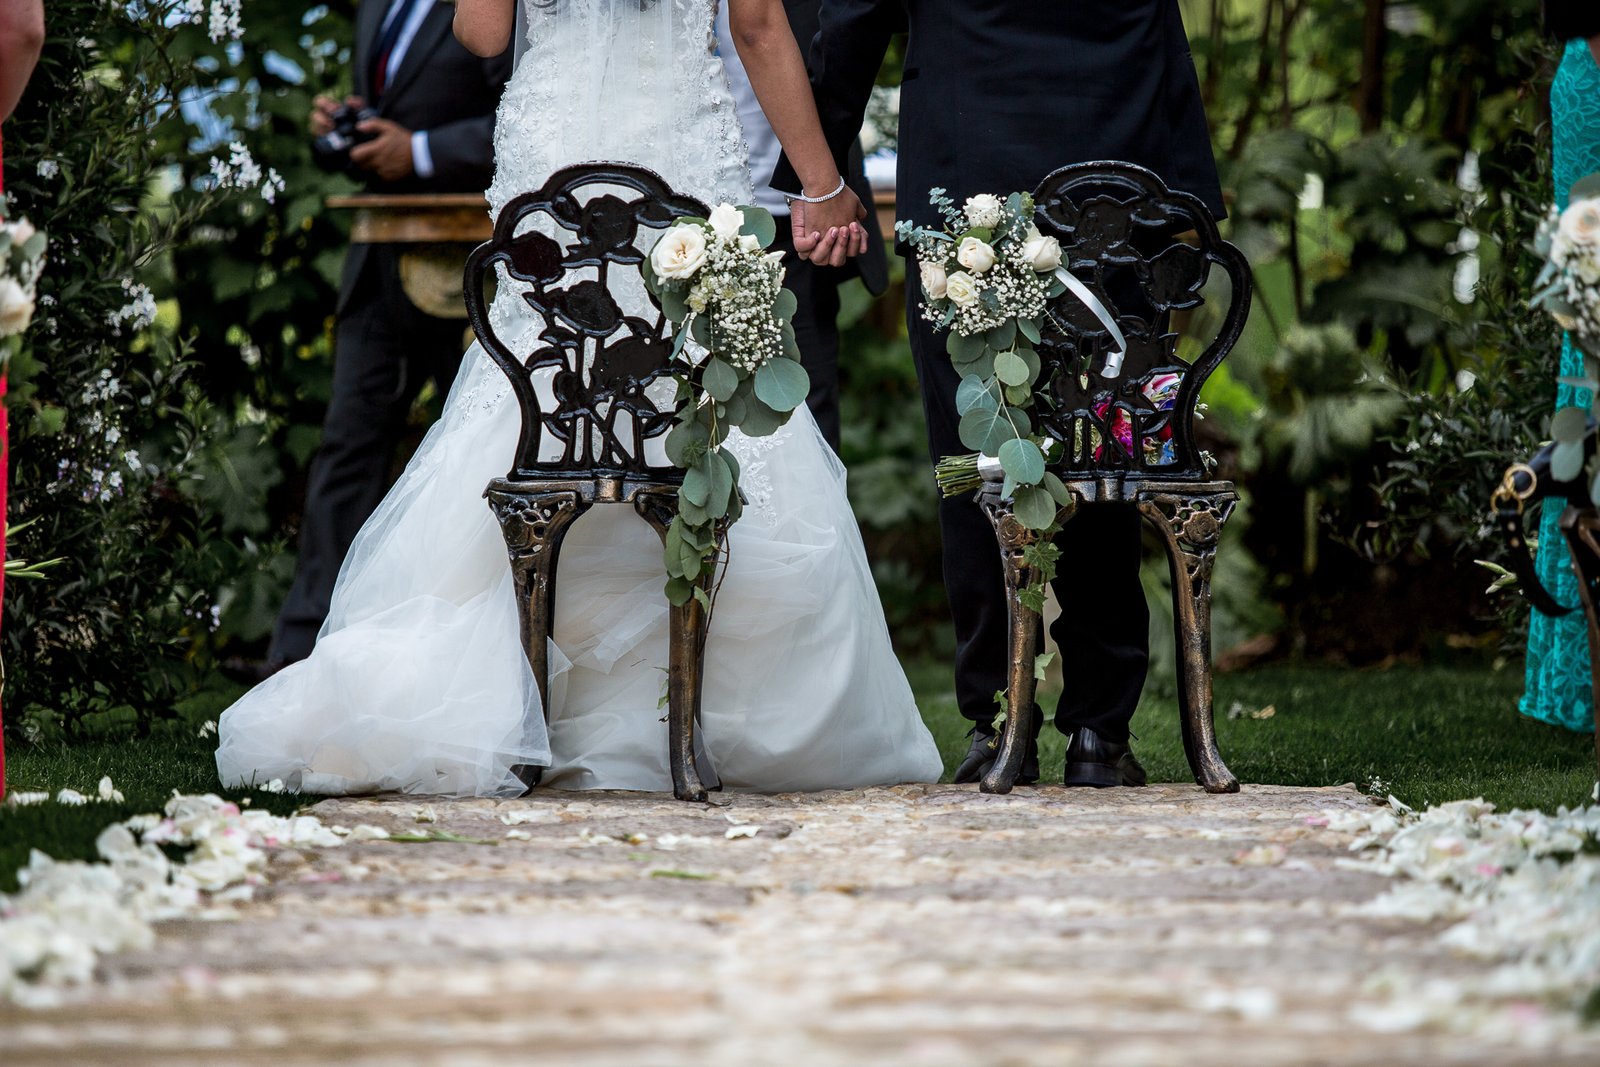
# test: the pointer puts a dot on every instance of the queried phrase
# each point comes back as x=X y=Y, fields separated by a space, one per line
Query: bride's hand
x=831 y=232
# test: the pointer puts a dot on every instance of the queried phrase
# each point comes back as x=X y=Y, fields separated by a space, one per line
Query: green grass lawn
x=1429 y=734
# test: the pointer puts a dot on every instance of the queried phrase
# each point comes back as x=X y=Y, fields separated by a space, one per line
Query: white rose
x=680 y=252
x=726 y=221
x=975 y=255
x=16 y=308
x=749 y=243
x=1041 y=253
x=1580 y=225
x=934 y=280
x=984 y=210
x=962 y=288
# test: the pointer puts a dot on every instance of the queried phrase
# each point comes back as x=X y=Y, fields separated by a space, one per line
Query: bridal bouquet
x=21 y=262
x=987 y=277
x=1569 y=289
x=737 y=365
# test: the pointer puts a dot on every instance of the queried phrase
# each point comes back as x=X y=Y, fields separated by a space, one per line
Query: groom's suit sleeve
x=852 y=37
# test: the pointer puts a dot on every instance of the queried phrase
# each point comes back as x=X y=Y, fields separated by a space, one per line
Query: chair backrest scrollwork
x=561 y=247
x=1144 y=251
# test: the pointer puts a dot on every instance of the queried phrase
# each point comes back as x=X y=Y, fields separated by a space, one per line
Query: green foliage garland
x=737 y=366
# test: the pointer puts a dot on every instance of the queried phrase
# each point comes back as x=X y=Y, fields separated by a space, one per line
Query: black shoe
x=252 y=671
x=981 y=756
x=1094 y=761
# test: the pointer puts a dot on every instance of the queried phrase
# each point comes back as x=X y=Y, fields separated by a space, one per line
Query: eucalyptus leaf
x=696 y=487
x=683 y=439
x=719 y=379
x=760 y=420
x=782 y=384
x=786 y=305
x=673 y=305
x=1011 y=368
x=975 y=392
x=964 y=348
x=721 y=481
x=1034 y=508
x=1585 y=188
x=1022 y=460
x=700 y=330
x=1056 y=488
x=679 y=592
x=759 y=223
x=1566 y=460
x=1029 y=329
x=1019 y=394
x=1002 y=336
x=986 y=431
x=1569 y=424
x=674 y=549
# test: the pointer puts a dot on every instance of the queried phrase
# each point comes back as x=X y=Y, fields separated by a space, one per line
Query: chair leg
x=1014 y=538
x=534 y=524
x=1191 y=527
x=686 y=665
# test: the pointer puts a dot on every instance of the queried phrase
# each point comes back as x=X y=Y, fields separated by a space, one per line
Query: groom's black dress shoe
x=986 y=746
x=1094 y=761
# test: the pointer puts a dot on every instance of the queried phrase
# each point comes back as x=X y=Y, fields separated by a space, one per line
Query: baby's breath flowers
x=737 y=367
x=987 y=277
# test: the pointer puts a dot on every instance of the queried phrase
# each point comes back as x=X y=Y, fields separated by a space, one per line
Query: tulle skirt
x=418 y=682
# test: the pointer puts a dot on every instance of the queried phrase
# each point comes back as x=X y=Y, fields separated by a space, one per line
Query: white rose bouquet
x=737 y=366
x=1569 y=289
x=22 y=251
x=987 y=278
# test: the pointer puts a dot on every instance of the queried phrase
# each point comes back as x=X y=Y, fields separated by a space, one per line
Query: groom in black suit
x=994 y=97
x=434 y=133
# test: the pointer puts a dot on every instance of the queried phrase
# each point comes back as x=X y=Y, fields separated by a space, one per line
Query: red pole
x=5 y=477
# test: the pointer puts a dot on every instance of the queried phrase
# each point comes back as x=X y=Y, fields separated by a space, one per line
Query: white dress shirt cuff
x=421 y=158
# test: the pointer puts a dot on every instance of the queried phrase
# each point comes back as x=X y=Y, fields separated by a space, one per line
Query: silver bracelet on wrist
x=804 y=199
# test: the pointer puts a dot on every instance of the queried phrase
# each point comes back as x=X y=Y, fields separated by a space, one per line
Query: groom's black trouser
x=816 y=329
x=1104 y=629
x=385 y=349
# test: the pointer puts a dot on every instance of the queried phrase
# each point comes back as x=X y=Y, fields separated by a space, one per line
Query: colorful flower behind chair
x=1162 y=393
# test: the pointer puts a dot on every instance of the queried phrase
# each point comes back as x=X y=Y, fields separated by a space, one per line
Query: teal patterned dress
x=1559 y=689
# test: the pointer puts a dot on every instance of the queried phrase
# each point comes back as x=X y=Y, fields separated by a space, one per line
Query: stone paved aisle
x=927 y=925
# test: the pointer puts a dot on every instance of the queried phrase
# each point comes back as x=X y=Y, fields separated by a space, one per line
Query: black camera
x=331 y=151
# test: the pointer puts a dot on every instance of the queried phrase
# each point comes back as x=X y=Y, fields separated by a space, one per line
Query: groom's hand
x=829 y=233
x=388 y=154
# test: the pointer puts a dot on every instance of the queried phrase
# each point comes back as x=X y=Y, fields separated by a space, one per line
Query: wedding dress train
x=418 y=683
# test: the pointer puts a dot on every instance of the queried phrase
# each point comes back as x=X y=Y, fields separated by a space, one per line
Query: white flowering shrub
x=149 y=140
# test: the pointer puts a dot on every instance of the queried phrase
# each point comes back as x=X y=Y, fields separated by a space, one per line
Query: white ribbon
x=1113 y=365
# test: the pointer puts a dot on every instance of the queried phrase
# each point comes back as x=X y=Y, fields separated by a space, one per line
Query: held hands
x=831 y=232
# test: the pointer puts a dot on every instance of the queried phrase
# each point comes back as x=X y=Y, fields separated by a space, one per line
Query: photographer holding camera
x=421 y=120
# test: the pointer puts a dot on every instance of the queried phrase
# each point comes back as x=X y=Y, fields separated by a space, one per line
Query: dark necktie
x=386 y=42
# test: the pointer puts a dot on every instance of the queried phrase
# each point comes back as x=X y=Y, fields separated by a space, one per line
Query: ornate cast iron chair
x=587 y=413
x=1128 y=433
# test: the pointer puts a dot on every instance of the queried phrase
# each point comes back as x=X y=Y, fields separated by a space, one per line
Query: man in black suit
x=816 y=287
x=994 y=97
x=433 y=133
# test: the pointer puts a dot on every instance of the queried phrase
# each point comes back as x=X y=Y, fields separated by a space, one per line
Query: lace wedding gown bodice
x=635 y=81
x=418 y=682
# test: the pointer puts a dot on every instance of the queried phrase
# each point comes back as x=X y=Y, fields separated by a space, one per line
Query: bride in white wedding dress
x=418 y=682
